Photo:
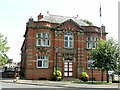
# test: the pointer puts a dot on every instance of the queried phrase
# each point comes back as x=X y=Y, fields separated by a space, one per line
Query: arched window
x=68 y=40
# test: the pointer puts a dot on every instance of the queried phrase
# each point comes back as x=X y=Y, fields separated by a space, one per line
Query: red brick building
x=59 y=41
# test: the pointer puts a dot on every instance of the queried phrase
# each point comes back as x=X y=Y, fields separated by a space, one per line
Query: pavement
x=68 y=84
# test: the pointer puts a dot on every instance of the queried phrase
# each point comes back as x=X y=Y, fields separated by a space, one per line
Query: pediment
x=69 y=25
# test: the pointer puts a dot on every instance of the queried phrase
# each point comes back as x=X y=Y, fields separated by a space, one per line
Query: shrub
x=84 y=76
x=57 y=75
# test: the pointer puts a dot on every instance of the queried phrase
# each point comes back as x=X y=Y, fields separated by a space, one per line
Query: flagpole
x=100 y=20
x=101 y=26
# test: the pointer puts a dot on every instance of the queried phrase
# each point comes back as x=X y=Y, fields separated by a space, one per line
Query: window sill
x=90 y=48
x=42 y=67
x=91 y=69
x=68 y=48
x=41 y=46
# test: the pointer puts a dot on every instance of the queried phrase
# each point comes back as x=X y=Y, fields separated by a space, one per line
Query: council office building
x=55 y=42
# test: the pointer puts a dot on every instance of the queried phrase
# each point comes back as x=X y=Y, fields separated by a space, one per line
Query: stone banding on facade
x=39 y=56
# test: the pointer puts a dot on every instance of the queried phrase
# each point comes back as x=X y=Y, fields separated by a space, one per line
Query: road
x=14 y=86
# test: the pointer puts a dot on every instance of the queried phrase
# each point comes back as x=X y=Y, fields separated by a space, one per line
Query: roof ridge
x=60 y=18
x=63 y=16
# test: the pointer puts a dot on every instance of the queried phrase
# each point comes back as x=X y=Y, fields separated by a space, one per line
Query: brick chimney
x=103 y=28
x=40 y=16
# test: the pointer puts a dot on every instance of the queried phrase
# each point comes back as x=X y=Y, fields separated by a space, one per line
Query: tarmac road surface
x=14 y=86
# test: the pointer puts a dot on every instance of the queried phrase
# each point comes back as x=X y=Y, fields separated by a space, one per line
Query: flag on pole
x=100 y=11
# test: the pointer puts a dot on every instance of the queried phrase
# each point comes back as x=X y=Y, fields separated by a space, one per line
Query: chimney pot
x=40 y=16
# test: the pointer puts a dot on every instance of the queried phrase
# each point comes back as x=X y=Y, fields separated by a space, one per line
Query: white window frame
x=88 y=39
x=43 y=39
x=91 y=41
x=88 y=45
x=95 y=45
x=44 y=59
x=69 y=42
x=90 y=60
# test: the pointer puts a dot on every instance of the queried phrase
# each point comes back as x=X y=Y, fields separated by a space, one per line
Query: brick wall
x=57 y=40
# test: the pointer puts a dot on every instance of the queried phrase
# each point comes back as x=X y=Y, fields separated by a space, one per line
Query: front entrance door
x=68 y=69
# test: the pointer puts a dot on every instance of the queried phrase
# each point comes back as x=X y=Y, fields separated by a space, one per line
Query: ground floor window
x=42 y=61
x=90 y=63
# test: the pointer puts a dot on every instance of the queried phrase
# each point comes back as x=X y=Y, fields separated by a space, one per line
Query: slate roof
x=91 y=29
x=60 y=19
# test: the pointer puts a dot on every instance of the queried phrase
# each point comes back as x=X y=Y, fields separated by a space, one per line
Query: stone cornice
x=44 y=27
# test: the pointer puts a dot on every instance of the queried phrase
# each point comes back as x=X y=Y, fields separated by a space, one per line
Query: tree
x=88 y=22
x=3 y=49
x=106 y=56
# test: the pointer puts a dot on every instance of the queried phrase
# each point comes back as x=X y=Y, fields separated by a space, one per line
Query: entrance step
x=71 y=79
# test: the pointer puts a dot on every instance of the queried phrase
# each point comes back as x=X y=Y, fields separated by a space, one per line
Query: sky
x=14 y=15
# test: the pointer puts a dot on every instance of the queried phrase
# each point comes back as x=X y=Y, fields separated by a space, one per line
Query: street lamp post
x=92 y=74
x=92 y=67
x=56 y=61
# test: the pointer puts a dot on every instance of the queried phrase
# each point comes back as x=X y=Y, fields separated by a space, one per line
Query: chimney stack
x=40 y=16
x=103 y=28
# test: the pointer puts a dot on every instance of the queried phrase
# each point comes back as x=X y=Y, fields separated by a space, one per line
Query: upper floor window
x=68 y=40
x=91 y=42
x=43 y=39
x=42 y=61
